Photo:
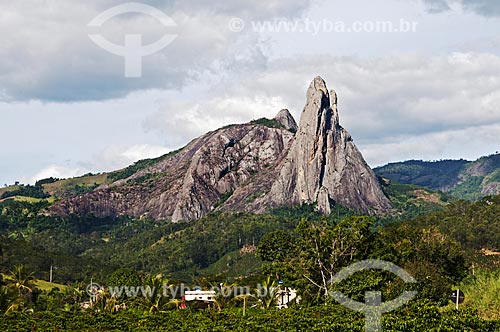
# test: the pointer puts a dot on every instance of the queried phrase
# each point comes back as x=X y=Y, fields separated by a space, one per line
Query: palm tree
x=176 y=302
x=267 y=293
x=18 y=304
x=103 y=301
x=157 y=300
x=245 y=297
x=5 y=298
x=21 y=280
x=225 y=294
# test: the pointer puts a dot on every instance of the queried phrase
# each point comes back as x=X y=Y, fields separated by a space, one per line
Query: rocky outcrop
x=248 y=167
x=323 y=164
x=286 y=120
x=191 y=183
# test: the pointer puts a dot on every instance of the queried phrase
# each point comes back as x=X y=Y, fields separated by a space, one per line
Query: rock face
x=248 y=167
x=323 y=164
x=286 y=120
x=191 y=183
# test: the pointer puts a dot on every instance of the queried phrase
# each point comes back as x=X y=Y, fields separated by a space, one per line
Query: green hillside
x=74 y=186
x=462 y=179
x=295 y=245
x=443 y=242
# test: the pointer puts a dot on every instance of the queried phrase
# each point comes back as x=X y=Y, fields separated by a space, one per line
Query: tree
x=325 y=249
x=266 y=293
x=245 y=297
x=21 y=280
x=433 y=258
x=124 y=277
x=277 y=246
x=158 y=300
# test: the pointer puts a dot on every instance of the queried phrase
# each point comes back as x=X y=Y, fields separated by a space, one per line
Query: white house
x=199 y=295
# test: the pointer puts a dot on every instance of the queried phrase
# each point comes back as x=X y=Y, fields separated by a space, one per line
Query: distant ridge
x=461 y=178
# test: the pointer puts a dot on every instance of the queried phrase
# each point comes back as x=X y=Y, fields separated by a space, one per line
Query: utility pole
x=52 y=268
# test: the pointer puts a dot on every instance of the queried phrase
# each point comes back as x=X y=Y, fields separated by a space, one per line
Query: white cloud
x=469 y=143
x=56 y=171
x=393 y=95
x=210 y=77
x=396 y=107
x=481 y=7
x=50 y=57
x=110 y=159
x=437 y=6
x=182 y=121
x=117 y=157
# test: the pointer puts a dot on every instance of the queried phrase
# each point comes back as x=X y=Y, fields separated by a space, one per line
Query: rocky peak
x=286 y=120
x=319 y=105
x=317 y=90
x=323 y=165
x=247 y=168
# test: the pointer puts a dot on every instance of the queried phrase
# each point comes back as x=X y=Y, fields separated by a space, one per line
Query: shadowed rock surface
x=248 y=167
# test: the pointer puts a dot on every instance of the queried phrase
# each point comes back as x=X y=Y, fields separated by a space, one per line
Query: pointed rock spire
x=323 y=165
x=317 y=91
x=320 y=112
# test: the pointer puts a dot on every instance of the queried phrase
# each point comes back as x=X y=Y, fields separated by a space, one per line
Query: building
x=199 y=295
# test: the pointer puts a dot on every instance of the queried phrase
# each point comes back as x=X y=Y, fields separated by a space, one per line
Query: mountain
x=460 y=178
x=323 y=164
x=252 y=167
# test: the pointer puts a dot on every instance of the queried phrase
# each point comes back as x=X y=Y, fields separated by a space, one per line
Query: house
x=199 y=295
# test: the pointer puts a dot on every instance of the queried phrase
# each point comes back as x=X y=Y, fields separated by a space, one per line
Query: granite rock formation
x=323 y=164
x=248 y=167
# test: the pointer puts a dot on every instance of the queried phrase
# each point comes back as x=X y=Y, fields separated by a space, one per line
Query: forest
x=48 y=262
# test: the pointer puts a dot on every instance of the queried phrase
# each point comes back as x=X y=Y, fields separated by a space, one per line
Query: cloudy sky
x=416 y=79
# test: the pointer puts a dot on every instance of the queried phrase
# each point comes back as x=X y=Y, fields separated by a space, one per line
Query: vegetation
x=433 y=175
x=270 y=123
x=469 y=189
x=446 y=244
x=410 y=201
x=139 y=165
x=35 y=191
x=9 y=188
x=493 y=177
x=473 y=225
x=223 y=197
x=481 y=294
x=459 y=178
x=73 y=186
x=417 y=317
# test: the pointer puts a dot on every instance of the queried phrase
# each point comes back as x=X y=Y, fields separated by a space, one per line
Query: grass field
x=41 y=284
x=235 y=264
x=47 y=286
x=32 y=199
x=59 y=187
